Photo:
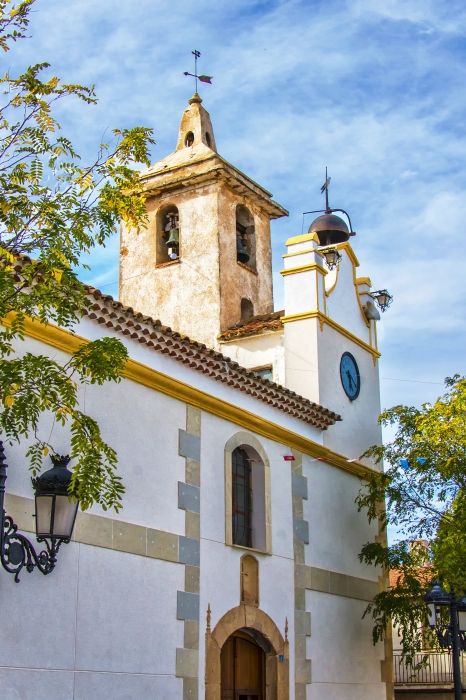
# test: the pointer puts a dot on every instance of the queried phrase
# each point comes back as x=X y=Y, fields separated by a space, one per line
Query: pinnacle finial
x=195 y=98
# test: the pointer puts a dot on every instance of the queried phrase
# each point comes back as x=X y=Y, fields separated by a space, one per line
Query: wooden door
x=242 y=663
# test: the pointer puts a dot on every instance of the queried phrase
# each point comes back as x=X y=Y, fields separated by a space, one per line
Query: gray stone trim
x=189 y=551
x=189 y=445
x=189 y=500
x=187 y=663
x=99 y=531
x=301 y=530
x=302 y=618
x=187 y=606
x=189 y=497
x=332 y=582
x=299 y=485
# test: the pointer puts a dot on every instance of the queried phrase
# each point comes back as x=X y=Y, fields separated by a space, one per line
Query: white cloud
x=372 y=89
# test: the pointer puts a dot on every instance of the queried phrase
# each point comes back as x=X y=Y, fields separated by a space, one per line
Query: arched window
x=249 y=580
x=247 y=506
x=208 y=140
x=168 y=234
x=247 y=309
x=245 y=236
x=189 y=139
x=242 y=498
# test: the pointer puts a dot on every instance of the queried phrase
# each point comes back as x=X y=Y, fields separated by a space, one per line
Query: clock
x=349 y=374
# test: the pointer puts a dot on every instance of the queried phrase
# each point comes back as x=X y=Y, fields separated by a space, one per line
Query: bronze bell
x=242 y=255
x=330 y=229
x=174 y=239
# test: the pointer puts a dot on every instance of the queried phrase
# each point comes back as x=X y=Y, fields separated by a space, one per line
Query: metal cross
x=202 y=78
x=323 y=189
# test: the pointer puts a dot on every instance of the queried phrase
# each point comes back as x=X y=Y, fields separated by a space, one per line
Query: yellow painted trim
x=67 y=341
x=302 y=239
x=302 y=252
x=363 y=280
x=304 y=268
x=330 y=290
x=347 y=246
x=333 y=324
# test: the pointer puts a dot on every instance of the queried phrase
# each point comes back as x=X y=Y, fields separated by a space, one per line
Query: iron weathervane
x=202 y=78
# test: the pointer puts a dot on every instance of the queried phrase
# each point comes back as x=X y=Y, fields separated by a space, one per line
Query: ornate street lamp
x=383 y=299
x=453 y=634
x=332 y=257
x=55 y=517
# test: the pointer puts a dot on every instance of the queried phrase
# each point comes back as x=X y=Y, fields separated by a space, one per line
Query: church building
x=232 y=570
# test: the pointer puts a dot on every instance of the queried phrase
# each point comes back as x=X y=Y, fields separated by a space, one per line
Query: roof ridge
x=146 y=329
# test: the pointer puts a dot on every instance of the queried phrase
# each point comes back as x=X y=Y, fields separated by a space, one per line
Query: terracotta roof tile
x=196 y=355
x=254 y=326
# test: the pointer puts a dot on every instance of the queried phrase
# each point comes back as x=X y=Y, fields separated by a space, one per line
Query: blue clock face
x=349 y=373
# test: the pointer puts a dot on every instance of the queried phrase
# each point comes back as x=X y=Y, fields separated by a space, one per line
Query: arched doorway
x=242 y=668
x=258 y=627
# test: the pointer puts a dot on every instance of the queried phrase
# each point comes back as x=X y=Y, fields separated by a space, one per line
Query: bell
x=241 y=254
x=330 y=229
x=174 y=239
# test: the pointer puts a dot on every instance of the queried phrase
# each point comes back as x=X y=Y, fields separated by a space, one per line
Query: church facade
x=232 y=571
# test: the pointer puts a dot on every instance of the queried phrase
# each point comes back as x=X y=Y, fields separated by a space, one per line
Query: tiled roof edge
x=144 y=329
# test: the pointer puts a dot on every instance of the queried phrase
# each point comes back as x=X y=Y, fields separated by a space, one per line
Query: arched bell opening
x=247 y=309
x=167 y=234
x=189 y=139
x=245 y=237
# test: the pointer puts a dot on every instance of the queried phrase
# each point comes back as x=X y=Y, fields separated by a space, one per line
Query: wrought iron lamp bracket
x=17 y=552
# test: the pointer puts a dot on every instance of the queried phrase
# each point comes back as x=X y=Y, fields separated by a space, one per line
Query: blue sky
x=374 y=90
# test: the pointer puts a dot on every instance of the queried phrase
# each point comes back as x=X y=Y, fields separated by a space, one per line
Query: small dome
x=330 y=229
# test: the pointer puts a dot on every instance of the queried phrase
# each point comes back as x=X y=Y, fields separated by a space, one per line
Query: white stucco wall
x=103 y=624
x=259 y=351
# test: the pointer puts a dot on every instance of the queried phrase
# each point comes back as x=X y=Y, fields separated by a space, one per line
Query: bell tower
x=204 y=261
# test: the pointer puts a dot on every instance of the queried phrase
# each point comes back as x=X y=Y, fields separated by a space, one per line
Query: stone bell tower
x=204 y=261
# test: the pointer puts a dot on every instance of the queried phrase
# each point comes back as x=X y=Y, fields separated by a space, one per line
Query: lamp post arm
x=456 y=647
x=16 y=551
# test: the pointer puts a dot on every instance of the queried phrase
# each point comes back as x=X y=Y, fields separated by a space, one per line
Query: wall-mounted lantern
x=383 y=299
x=332 y=257
x=55 y=517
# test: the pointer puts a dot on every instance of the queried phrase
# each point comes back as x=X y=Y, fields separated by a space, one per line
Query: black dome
x=330 y=229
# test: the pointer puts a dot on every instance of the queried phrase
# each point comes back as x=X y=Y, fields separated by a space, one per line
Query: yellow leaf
x=58 y=274
x=46 y=451
x=8 y=401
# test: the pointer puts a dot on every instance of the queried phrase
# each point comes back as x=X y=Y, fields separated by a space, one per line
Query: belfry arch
x=259 y=626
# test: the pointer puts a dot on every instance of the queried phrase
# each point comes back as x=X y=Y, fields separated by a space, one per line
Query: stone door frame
x=276 y=671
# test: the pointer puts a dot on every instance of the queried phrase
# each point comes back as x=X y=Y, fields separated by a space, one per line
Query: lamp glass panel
x=431 y=615
x=462 y=621
x=65 y=513
x=43 y=515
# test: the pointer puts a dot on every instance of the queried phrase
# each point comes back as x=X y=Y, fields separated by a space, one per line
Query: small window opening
x=208 y=139
x=245 y=237
x=168 y=235
x=247 y=309
x=242 y=498
x=189 y=139
x=265 y=372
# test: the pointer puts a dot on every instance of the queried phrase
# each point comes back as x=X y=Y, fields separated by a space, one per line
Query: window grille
x=242 y=498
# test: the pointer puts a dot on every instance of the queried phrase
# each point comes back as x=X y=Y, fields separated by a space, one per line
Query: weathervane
x=202 y=78
x=323 y=189
x=327 y=209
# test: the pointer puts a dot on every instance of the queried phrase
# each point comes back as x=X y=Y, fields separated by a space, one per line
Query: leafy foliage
x=425 y=501
x=54 y=209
